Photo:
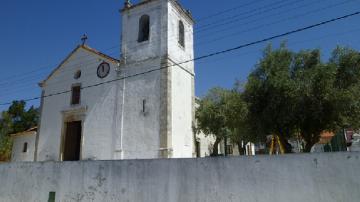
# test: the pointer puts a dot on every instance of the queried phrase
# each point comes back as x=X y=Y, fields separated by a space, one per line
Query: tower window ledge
x=143 y=43
x=181 y=47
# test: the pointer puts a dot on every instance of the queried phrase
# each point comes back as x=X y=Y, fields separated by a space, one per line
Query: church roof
x=84 y=47
x=100 y=53
x=30 y=131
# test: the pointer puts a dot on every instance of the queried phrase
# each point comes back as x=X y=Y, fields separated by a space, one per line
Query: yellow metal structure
x=276 y=140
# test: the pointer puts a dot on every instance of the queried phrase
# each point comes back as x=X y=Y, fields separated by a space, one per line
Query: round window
x=77 y=75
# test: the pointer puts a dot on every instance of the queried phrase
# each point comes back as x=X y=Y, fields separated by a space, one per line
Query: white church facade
x=95 y=107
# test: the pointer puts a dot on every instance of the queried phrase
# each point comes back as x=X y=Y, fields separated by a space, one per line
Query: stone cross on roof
x=83 y=39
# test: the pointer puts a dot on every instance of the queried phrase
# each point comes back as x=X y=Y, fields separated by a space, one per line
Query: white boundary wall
x=288 y=178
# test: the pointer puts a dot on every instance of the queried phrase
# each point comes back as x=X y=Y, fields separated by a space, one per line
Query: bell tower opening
x=144 y=28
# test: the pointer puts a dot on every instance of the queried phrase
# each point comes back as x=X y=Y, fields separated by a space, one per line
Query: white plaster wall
x=141 y=131
x=17 y=153
x=250 y=149
x=297 y=178
x=181 y=83
x=175 y=51
x=100 y=100
x=182 y=133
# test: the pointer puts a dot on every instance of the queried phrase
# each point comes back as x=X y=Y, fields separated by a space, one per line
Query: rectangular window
x=25 y=147
x=75 y=95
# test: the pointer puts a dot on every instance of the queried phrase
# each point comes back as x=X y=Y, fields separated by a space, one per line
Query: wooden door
x=72 y=141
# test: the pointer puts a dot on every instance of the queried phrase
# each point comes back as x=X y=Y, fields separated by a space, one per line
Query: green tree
x=270 y=94
x=291 y=93
x=5 y=140
x=222 y=113
x=235 y=113
x=347 y=63
x=16 y=119
x=347 y=83
x=327 y=97
x=316 y=106
x=210 y=117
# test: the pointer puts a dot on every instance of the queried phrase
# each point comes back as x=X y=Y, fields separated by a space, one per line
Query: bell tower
x=156 y=40
x=154 y=28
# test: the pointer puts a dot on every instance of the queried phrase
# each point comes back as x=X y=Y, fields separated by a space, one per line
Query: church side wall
x=96 y=109
x=325 y=177
x=182 y=133
x=182 y=75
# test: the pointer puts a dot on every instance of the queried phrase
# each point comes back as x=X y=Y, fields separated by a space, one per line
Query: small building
x=24 y=145
x=204 y=145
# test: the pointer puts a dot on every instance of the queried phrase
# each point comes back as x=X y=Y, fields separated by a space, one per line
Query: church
x=140 y=106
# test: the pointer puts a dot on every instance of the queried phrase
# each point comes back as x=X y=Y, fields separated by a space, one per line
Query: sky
x=35 y=36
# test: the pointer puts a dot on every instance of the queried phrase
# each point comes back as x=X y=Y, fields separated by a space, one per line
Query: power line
x=214 y=24
x=219 y=13
x=228 y=10
x=24 y=75
x=204 y=56
x=257 y=19
x=272 y=23
x=49 y=66
x=83 y=64
x=280 y=35
x=241 y=54
x=200 y=43
x=216 y=39
x=270 y=6
x=299 y=41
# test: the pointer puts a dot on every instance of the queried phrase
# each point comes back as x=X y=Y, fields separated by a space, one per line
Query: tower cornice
x=128 y=6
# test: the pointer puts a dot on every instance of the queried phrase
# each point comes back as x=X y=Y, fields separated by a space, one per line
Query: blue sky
x=35 y=36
